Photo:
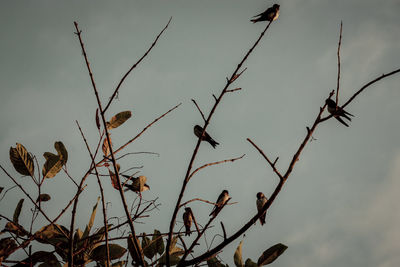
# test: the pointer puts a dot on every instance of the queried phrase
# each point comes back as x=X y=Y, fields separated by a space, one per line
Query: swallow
x=206 y=137
x=338 y=112
x=187 y=219
x=222 y=199
x=261 y=200
x=135 y=184
x=270 y=14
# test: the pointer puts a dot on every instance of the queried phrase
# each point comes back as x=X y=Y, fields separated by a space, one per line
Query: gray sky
x=339 y=207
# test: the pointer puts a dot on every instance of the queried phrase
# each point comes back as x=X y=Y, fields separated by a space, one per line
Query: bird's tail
x=187 y=230
x=213 y=142
x=341 y=121
x=262 y=219
x=347 y=113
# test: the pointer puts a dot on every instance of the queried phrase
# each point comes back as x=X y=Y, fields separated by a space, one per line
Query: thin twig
x=201 y=112
x=223 y=229
x=144 y=129
x=103 y=201
x=233 y=90
x=203 y=200
x=214 y=163
x=134 y=66
x=267 y=159
x=338 y=58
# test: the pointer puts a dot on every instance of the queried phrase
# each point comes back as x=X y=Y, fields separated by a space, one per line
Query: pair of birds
x=221 y=201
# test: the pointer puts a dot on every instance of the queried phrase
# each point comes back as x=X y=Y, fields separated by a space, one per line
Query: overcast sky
x=340 y=206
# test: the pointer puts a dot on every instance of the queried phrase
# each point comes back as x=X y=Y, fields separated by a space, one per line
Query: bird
x=261 y=200
x=135 y=184
x=338 y=112
x=222 y=199
x=188 y=219
x=206 y=137
x=270 y=14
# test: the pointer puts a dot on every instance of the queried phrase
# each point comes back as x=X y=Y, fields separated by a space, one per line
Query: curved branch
x=134 y=66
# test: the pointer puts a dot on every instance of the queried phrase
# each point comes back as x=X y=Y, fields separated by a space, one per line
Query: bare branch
x=134 y=66
x=233 y=90
x=145 y=128
x=202 y=115
x=214 y=163
x=203 y=200
x=338 y=58
x=223 y=229
x=267 y=159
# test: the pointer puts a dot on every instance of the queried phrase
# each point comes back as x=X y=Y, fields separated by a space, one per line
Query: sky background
x=339 y=207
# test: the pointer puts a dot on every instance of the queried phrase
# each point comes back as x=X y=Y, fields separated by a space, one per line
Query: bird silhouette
x=187 y=219
x=270 y=14
x=206 y=137
x=261 y=200
x=338 y=112
x=222 y=199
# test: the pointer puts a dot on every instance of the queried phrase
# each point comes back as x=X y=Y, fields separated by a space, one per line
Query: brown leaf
x=271 y=254
x=118 y=119
x=22 y=160
x=105 y=147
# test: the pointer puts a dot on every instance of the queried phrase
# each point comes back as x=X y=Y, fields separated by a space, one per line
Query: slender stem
x=103 y=201
x=338 y=58
x=134 y=66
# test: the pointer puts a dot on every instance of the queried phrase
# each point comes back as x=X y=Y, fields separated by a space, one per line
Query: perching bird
x=135 y=184
x=338 y=112
x=187 y=219
x=270 y=14
x=261 y=200
x=206 y=137
x=222 y=199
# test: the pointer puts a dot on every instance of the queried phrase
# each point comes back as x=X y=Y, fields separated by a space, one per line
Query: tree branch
x=217 y=101
x=134 y=66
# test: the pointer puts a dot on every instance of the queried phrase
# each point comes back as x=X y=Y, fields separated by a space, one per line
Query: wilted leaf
x=51 y=234
x=47 y=258
x=148 y=248
x=158 y=242
x=43 y=198
x=271 y=254
x=118 y=119
x=114 y=180
x=237 y=257
x=15 y=228
x=22 y=160
x=100 y=253
x=214 y=262
x=137 y=184
x=131 y=248
x=1 y=189
x=52 y=165
x=97 y=119
x=17 y=210
x=91 y=220
x=250 y=263
x=106 y=147
x=62 y=152
x=7 y=245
